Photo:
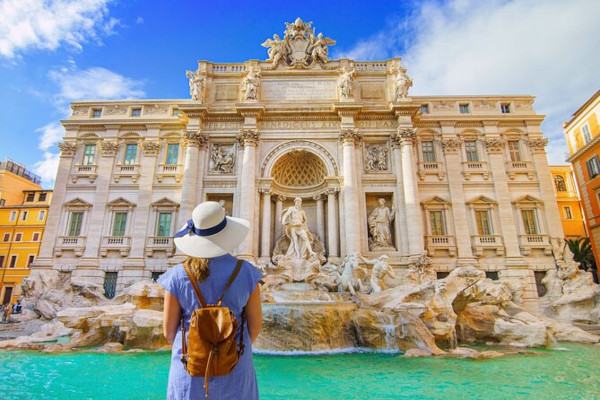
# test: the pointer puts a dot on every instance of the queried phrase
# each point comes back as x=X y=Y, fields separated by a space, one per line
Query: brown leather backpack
x=211 y=349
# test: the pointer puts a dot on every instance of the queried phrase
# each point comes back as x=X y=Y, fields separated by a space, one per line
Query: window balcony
x=538 y=241
x=122 y=244
x=431 y=168
x=514 y=168
x=470 y=168
x=174 y=171
x=131 y=171
x=479 y=243
x=84 y=171
x=441 y=242
x=75 y=244
x=159 y=243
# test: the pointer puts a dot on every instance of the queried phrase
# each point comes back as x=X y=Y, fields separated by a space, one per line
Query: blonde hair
x=198 y=267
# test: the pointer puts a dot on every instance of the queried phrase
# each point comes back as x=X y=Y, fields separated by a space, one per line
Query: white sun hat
x=210 y=233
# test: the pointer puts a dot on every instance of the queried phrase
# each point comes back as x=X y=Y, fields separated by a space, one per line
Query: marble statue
x=349 y=279
x=380 y=270
x=277 y=49
x=345 y=84
x=250 y=84
x=294 y=220
x=319 y=50
x=196 y=85
x=379 y=221
x=222 y=159
x=377 y=156
x=402 y=84
x=223 y=204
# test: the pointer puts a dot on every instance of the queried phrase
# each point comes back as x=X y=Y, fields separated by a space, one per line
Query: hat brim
x=215 y=245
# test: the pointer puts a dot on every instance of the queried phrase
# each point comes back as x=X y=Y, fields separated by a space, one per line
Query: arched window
x=559 y=182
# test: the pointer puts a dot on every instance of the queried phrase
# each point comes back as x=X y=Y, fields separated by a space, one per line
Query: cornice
x=584 y=149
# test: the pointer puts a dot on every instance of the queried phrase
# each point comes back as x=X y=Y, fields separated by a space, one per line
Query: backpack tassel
x=213 y=351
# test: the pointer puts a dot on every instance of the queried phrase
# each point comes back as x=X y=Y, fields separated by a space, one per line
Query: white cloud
x=544 y=48
x=47 y=168
x=48 y=24
x=52 y=133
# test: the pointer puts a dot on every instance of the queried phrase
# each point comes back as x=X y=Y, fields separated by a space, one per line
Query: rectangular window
x=13 y=261
x=18 y=237
x=505 y=108
x=172 y=153
x=514 y=150
x=438 y=226
x=593 y=166
x=35 y=237
x=130 y=154
x=428 y=152
x=1 y=261
x=585 y=131
x=424 y=108
x=6 y=237
x=42 y=197
x=30 y=197
x=471 y=150
x=119 y=223
x=493 y=275
x=89 y=154
x=96 y=113
x=530 y=222
x=484 y=222
x=75 y=224
x=568 y=213
x=136 y=112
x=2 y=202
x=164 y=224
x=30 y=260
x=463 y=108
x=24 y=216
x=13 y=216
x=41 y=215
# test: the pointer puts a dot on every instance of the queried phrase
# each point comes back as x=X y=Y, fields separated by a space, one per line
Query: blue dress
x=241 y=383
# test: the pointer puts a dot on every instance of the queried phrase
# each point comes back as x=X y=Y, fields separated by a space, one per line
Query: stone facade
x=467 y=176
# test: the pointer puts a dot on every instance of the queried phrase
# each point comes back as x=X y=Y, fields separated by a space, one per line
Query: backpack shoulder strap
x=195 y=285
x=238 y=266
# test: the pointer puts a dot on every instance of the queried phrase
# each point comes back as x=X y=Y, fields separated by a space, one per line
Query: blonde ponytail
x=198 y=267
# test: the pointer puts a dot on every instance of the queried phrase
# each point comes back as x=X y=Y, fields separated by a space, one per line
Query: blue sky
x=53 y=52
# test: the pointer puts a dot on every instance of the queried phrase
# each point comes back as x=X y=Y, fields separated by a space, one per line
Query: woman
x=207 y=239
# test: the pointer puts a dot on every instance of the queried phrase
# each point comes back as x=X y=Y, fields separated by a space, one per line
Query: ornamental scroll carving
x=538 y=145
x=196 y=139
x=376 y=158
x=108 y=149
x=494 y=146
x=222 y=159
x=150 y=149
x=67 y=149
x=248 y=137
x=350 y=136
x=451 y=146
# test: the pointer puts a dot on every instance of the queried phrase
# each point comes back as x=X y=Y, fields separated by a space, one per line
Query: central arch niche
x=299 y=171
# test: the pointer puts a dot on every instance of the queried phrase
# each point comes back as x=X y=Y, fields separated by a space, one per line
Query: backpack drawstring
x=213 y=351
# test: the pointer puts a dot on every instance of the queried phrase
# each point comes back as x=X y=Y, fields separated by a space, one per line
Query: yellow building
x=14 y=179
x=569 y=202
x=22 y=223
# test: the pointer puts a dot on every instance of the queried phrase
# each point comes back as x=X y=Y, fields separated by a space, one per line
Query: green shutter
x=164 y=225
x=75 y=224
x=119 y=224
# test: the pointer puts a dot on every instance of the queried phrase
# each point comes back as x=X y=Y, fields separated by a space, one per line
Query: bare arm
x=254 y=314
x=171 y=317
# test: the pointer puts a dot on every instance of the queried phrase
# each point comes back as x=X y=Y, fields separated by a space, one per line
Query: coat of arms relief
x=299 y=48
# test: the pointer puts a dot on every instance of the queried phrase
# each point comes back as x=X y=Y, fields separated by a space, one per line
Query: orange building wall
x=12 y=186
x=574 y=227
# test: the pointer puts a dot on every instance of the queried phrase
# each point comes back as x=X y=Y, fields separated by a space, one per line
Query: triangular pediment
x=481 y=200
x=77 y=203
x=120 y=202
x=435 y=200
x=165 y=203
x=528 y=199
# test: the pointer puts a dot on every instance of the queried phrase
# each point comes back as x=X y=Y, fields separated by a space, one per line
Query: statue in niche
x=345 y=84
x=381 y=269
x=196 y=85
x=380 y=221
x=377 y=156
x=276 y=51
x=222 y=159
x=223 y=204
x=250 y=83
x=319 y=49
x=402 y=83
x=294 y=220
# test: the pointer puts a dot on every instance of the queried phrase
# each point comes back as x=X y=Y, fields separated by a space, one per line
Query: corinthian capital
x=404 y=136
x=451 y=146
x=248 y=137
x=538 y=145
x=196 y=139
x=350 y=136
x=108 y=149
x=494 y=145
x=67 y=149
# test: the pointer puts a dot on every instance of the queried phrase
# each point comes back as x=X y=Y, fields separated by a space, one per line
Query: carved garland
x=108 y=149
x=150 y=149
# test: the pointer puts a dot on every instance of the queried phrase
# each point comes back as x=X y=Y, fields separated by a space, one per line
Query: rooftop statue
x=299 y=48
x=196 y=85
x=250 y=84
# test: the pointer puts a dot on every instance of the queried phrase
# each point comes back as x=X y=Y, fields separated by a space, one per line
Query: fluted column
x=278 y=210
x=265 y=248
x=320 y=217
x=400 y=220
x=350 y=138
x=249 y=139
x=332 y=223
x=192 y=173
x=407 y=136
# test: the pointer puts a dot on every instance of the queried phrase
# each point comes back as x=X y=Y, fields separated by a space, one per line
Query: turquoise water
x=570 y=374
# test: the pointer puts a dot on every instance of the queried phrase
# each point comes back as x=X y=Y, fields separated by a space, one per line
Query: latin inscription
x=298 y=90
